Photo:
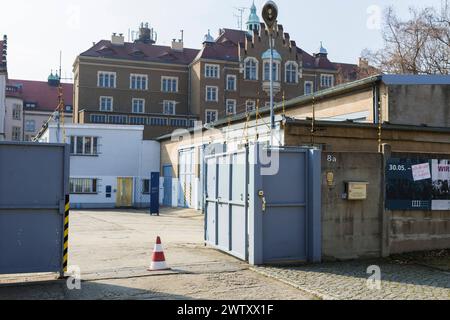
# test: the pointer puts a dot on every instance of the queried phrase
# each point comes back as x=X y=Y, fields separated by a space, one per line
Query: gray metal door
x=33 y=184
x=226 y=214
x=260 y=216
x=284 y=218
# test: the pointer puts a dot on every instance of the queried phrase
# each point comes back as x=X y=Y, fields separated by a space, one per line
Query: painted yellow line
x=66 y=221
x=66 y=245
x=67 y=207
x=66 y=233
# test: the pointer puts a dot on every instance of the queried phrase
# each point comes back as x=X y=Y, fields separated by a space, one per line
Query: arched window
x=291 y=72
x=251 y=69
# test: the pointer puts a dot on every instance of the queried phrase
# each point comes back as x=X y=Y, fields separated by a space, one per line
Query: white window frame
x=277 y=71
x=112 y=103
x=253 y=102
x=109 y=73
x=216 y=88
x=234 y=106
x=93 y=182
x=312 y=87
x=328 y=76
x=141 y=76
x=256 y=66
x=213 y=111
x=132 y=105
x=235 y=82
x=27 y=122
x=73 y=142
x=169 y=78
x=208 y=67
x=286 y=65
x=174 y=103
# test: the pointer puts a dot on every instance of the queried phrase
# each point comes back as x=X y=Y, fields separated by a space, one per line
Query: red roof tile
x=141 y=52
x=41 y=93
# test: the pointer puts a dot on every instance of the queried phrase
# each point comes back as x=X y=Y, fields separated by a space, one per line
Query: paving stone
x=348 y=281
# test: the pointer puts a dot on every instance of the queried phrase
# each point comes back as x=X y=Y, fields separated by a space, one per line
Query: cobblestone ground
x=349 y=281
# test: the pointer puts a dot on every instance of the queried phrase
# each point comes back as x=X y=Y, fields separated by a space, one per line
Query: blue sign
x=154 y=193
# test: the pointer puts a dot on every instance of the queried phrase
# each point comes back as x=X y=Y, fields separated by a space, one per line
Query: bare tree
x=420 y=45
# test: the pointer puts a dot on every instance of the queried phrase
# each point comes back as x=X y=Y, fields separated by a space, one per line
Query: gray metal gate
x=281 y=221
x=34 y=182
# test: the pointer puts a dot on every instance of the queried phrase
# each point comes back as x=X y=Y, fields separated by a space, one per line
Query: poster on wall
x=441 y=184
x=418 y=184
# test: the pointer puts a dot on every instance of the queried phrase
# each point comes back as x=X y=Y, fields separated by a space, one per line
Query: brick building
x=167 y=87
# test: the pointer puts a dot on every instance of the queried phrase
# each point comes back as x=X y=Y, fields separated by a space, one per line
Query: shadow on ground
x=58 y=290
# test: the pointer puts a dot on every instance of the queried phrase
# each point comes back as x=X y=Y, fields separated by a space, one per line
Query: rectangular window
x=212 y=94
x=212 y=71
x=16 y=134
x=250 y=106
x=146 y=186
x=138 y=121
x=326 y=80
x=83 y=186
x=231 y=107
x=309 y=87
x=30 y=126
x=178 y=122
x=139 y=82
x=274 y=71
x=169 y=84
x=84 y=146
x=158 y=122
x=106 y=79
x=17 y=112
x=138 y=105
x=118 y=119
x=96 y=118
x=169 y=107
x=106 y=104
x=211 y=116
x=231 y=82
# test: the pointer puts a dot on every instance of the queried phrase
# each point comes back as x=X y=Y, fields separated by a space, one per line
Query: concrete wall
x=420 y=104
x=347 y=106
x=351 y=229
x=122 y=153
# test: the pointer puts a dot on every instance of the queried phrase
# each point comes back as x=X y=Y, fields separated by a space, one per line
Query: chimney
x=177 y=45
x=118 y=40
x=363 y=63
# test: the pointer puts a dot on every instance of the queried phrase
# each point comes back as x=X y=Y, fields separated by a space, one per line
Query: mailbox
x=356 y=190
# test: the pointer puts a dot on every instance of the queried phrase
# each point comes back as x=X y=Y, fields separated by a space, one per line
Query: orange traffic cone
x=158 y=258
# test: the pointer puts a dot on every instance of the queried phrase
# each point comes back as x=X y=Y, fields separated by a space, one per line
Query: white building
x=110 y=166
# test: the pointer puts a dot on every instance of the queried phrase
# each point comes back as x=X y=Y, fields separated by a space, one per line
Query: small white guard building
x=110 y=165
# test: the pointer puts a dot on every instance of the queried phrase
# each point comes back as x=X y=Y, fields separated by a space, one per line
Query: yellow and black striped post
x=66 y=234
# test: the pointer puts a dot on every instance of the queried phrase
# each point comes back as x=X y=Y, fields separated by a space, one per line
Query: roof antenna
x=240 y=16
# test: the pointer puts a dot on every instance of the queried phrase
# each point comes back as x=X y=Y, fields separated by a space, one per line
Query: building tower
x=253 y=22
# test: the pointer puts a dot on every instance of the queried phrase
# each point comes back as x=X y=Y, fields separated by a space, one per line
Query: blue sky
x=38 y=30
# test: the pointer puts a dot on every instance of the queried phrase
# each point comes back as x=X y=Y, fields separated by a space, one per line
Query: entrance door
x=124 y=192
x=187 y=178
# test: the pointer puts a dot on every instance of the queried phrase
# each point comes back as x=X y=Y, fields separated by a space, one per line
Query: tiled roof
x=141 y=52
x=41 y=93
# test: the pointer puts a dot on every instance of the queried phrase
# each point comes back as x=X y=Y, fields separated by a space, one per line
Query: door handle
x=263 y=199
